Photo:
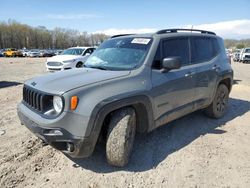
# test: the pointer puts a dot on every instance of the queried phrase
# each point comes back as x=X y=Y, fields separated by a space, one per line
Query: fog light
x=70 y=147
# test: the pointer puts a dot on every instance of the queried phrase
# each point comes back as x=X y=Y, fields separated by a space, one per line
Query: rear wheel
x=219 y=105
x=120 y=137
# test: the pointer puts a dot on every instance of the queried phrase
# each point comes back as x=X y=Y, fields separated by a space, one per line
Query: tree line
x=17 y=35
x=238 y=44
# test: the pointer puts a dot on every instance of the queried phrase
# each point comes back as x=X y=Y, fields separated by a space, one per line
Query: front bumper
x=59 y=138
x=63 y=66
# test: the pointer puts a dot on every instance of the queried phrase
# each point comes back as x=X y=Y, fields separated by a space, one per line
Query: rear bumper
x=60 y=138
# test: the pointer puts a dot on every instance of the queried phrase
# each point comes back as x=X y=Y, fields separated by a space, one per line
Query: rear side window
x=176 y=47
x=202 y=49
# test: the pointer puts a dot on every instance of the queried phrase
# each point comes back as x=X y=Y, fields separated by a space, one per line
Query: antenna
x=192 y=28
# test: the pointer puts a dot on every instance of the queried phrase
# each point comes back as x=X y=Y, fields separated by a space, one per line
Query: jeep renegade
x=131 y=83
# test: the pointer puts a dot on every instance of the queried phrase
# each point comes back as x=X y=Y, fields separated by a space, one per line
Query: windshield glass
x=73 y=51
x=120 y=54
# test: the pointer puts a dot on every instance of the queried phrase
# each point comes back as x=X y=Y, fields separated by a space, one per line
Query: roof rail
x=120 y=35
x=191 y=30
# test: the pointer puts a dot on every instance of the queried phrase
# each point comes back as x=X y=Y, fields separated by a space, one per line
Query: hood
x=63 y=81
x=63 y=57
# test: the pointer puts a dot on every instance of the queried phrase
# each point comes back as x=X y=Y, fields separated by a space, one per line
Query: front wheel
x=218 y=107
x=79 y=65
x=120 y=137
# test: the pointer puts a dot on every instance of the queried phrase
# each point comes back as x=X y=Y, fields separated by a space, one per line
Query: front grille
x=54 y=63
x=36 y=99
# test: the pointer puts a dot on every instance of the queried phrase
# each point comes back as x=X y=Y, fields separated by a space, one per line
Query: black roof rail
x=120 y=35
x=191 y=30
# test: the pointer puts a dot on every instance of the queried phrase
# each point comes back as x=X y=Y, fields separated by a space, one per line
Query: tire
x=120 y=136
x=218 y=107
x=79 y=65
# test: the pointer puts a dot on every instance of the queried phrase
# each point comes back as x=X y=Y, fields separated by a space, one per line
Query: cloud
x=235 y=29
x=71 y=16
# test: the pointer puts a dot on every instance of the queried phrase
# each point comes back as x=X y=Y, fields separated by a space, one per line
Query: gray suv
x=131 y=83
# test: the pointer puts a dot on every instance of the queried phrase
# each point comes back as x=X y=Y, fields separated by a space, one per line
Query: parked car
x=236 y=55
x=245 y=55
x=25 y=53
x=12 y=52
x=58 y=52
x=68 y=59
x=33 y=53
x=1 y=53
x=46 y=53
x=131 y=83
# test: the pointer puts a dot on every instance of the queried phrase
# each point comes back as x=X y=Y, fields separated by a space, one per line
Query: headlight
x=57 y=104
x=69 y=61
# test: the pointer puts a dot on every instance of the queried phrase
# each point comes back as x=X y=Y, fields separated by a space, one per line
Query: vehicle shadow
x=235 y=82
x=151 y=149
x=4 y=84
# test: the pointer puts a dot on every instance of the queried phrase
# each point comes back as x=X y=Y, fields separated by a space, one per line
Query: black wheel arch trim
x=107 y=106
x=221 y=77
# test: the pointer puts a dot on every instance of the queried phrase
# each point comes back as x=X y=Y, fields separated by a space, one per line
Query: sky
x=228 y=18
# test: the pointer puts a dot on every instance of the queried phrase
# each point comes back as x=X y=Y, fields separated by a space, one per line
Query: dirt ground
x=194 y=151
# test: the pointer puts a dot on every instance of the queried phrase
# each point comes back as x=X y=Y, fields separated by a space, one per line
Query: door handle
x=216 y=67
x=189 y=74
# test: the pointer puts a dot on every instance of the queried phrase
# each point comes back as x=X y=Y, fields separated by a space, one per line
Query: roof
x=170 y=32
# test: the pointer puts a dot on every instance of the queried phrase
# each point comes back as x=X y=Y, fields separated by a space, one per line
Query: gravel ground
x=194 y=151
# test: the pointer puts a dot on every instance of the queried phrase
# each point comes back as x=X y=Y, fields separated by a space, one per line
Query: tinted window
x=203 y=49
x=216 y=46
x=157 y=59
x=177 y=47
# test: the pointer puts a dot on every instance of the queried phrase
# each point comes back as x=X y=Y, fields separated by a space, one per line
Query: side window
x=87 y=51
x=177 y=47
x=92 y=50
x=216 y=46
x=202 y=49
x=157 y=59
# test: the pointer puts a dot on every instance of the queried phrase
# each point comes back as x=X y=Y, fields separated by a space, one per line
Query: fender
x=222 y=76
x=142 y=106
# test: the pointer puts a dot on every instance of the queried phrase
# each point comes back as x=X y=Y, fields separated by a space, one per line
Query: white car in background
x=33 y=53
x=245 y=55
x=70 y=58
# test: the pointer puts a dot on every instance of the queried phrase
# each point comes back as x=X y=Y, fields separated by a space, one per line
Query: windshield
x=120 y=54
x=73 y=51
x=247 y=51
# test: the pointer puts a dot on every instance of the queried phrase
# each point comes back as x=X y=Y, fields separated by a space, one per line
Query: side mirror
x=87 y=54
x=170 y=63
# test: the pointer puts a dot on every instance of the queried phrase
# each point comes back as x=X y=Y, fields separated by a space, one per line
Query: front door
x=173 y=92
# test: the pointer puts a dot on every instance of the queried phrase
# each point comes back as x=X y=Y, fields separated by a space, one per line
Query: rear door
x=204 y=55
x=173 y=92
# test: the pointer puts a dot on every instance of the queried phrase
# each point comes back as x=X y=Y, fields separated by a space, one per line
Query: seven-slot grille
x=33 y=98
x=54 y=63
